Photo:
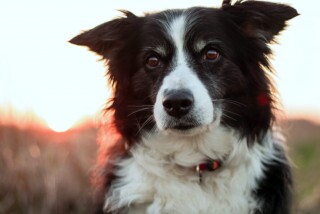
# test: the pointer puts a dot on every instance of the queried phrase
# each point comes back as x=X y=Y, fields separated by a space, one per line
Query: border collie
x=193 y=110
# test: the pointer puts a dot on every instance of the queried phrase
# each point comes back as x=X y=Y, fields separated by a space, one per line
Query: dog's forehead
x=198 y=24
x=191 y=14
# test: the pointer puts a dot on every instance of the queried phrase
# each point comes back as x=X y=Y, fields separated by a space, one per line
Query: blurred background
x=51 y=94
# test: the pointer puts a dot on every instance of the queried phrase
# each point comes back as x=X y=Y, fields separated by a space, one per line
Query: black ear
x=104 y=38
x=258 y=19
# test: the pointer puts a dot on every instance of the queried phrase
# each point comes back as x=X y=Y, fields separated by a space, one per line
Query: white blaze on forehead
x=177 y=32
x=183 y=77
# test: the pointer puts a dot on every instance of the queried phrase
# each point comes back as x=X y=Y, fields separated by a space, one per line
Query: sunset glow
x=60 y=125
x=61 y=83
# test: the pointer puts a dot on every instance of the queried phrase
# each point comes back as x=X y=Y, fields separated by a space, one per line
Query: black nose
x=177 y=102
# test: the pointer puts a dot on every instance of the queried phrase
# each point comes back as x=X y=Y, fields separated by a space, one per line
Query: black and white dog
x=193 y=106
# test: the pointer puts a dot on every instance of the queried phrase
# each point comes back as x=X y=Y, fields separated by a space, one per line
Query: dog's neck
x=167 y=162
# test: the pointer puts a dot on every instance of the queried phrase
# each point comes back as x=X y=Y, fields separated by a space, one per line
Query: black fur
x=241 y=32
x=275 y=189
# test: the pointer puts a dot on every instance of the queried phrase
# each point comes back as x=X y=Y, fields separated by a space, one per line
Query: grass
x=43 y=172
x=306 y=156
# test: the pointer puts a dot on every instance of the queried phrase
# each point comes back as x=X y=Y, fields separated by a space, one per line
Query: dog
x=193 y=109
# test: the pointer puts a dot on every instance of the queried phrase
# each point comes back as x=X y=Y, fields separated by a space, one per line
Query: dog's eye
x=153 y=61
x=211 y=54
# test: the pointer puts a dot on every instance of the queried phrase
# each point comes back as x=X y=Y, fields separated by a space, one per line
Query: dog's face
x=186 y=65
x=183 y=71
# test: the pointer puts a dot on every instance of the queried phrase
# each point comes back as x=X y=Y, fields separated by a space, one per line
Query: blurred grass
x=304 y=143
x=43 y=172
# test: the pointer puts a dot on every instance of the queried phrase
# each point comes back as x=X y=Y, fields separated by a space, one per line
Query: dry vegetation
x=47 y=172
x=304 y=143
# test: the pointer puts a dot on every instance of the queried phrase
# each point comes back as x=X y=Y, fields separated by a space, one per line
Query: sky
x=41 y=72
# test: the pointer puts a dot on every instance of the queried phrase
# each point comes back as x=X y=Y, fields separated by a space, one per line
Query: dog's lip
x=183 y=127
x=187 y=129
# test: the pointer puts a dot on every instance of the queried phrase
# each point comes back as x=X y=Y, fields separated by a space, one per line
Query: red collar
x=209 y=165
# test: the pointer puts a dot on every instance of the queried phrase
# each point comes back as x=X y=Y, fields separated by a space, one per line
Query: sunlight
x=59 y=126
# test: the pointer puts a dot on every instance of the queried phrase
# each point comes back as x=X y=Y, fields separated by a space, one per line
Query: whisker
x=145 y=123
x=139 y=110
x=139 y=106
x=228 y=116
x=231 y=112
x=229 y=101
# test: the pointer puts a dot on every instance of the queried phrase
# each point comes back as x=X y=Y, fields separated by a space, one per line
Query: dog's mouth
x=190 y=126
x=183 y=127
x=187 y=129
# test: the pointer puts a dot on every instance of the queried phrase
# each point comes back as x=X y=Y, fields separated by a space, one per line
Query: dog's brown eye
x=153 y=62
x=211 y=55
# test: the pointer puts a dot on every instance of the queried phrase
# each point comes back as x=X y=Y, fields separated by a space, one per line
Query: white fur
x=182 y=77
x=160 y=176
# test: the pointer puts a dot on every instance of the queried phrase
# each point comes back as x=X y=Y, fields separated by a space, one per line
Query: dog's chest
x=224 y=191
x=155 y=183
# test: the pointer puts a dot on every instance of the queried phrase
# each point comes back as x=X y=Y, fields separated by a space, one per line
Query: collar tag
x=210 y=165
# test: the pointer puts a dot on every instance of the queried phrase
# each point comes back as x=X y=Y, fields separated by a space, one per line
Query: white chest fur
x=159 y=177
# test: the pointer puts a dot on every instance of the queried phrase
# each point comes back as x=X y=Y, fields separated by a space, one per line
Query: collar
x=209 y=165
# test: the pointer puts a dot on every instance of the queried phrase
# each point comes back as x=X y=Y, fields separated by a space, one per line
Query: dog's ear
x=258 y=19
x=105 y=38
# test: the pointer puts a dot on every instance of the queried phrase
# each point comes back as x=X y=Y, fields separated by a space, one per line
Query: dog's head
x=183 y=71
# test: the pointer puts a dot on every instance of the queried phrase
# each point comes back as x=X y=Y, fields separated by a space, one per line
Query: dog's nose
x=177 y=102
